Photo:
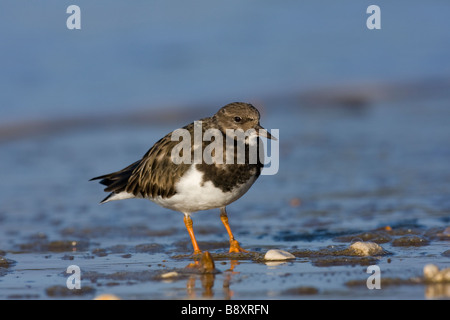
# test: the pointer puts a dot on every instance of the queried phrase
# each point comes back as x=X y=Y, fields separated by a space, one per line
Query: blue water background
x=152 y=54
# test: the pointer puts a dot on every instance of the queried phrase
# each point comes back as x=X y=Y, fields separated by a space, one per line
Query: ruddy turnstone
x=188 y=186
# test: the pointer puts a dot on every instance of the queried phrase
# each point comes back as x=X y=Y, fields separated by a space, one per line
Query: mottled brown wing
x=156 y=173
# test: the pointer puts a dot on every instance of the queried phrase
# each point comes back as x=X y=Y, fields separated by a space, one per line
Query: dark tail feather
x=106 y=199
x=116 y=182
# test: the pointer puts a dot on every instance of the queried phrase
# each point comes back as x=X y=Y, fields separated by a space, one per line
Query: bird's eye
x=237 y=119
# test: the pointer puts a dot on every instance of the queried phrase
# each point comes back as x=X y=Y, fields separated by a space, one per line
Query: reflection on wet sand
x=207 y=281
x=206 y=271
x=437 y=291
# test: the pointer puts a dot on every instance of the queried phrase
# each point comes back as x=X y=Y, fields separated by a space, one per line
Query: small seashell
x=362 y=248
x=276 y=254
x=171 y=274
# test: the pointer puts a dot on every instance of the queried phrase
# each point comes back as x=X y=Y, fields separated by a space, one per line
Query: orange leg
x=188 y=223
x=234 y=245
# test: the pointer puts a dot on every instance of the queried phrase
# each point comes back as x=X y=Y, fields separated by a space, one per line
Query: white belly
x=194 y=195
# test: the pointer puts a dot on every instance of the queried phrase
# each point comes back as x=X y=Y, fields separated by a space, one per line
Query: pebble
x=361 y=248
x=410 y=240
x=432 y=273
x=5 y=263
x=276 y=254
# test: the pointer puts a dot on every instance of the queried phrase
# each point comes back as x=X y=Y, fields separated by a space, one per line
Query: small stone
x=5 y=263
x=276 y=254
x=410 y=240
x=361 y=248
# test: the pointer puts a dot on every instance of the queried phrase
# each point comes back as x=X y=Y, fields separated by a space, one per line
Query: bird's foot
x=235 y=247
x=204 y=265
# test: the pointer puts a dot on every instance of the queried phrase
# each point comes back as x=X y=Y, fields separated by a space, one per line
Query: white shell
x=171 y=274
x=276 y=254
x=361 y=248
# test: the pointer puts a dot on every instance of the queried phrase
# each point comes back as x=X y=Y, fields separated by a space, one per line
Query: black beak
x=264 y=133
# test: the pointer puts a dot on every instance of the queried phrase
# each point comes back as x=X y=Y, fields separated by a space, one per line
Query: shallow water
x=374 y=172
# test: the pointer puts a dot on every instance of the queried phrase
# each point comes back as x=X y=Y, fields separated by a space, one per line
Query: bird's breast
x=195 y=193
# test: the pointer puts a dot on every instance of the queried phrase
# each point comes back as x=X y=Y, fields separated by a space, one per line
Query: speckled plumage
x=198 y=186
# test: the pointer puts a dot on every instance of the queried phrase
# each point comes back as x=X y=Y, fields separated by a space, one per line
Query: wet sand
x=371 y=168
